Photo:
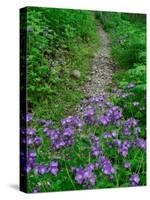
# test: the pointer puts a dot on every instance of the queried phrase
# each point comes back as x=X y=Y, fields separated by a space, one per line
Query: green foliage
x=58 y=41
x=128 y=37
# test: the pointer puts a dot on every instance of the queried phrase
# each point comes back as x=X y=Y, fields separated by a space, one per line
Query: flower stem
x=69 y=176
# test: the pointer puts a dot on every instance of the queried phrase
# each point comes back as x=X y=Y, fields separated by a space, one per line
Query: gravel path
x=102 y=68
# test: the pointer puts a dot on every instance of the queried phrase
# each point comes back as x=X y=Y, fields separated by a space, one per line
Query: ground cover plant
x=59 y=41
x=104 y=145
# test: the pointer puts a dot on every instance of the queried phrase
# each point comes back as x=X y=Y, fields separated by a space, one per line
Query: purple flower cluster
x=137 y=130
x=35 y=190
x=141 y=143
x=102 y=161
x=104 y=120
x=65 y=137
x=31 y=138
x=60 y=139
x=88 y=115
x=45 y=123
x=96 y=150
x=130 y=123
x=37 y=141
x=85 y=176
x=105 y=165
x=52 y=167
x=72 y=121
x=117 y=131
x=30 y=131
x=127 y=165
x=111 y=115
x=121 y=94
x=31 y=160
x=96 y=99
x=134 y=179
x=111 y=134
x=29 y=117
x=124 y=147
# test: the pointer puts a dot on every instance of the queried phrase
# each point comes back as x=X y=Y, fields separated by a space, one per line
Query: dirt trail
x=102 y=67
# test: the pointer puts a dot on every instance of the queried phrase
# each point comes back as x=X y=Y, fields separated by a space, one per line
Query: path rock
x=76 y=74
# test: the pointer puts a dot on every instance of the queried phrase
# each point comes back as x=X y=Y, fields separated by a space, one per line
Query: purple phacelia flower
x=90 y=167
x=113 y=114
x=134 y=179
x=124 y=151
x=85 y=176
x=37 y=141
x=126 y=131
x=48 y=123
x=30 y=141
x=127 y=165
x=68 y=131
x=127 y=144
x=113 y=134
x=53 y=167
x=137 y=130
x=45 y=123
x=117 y=142
x=109 y=104
x=30 y=131
x=72 y=121
x=92 y=180
x=79 y=175
x=101 y=98
x=95 y=150
x=54 y=134
x=32 y=154
x=47 y=131
x=42 y=169
x=103 y=120
x=36 y=169
x=35 y=190
x=130 y=123
x=105 y=165
x=106 y=135
x=28 y=168
x=88 y=113
x=141 y=143
x=108 y=169
x=29 y=117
